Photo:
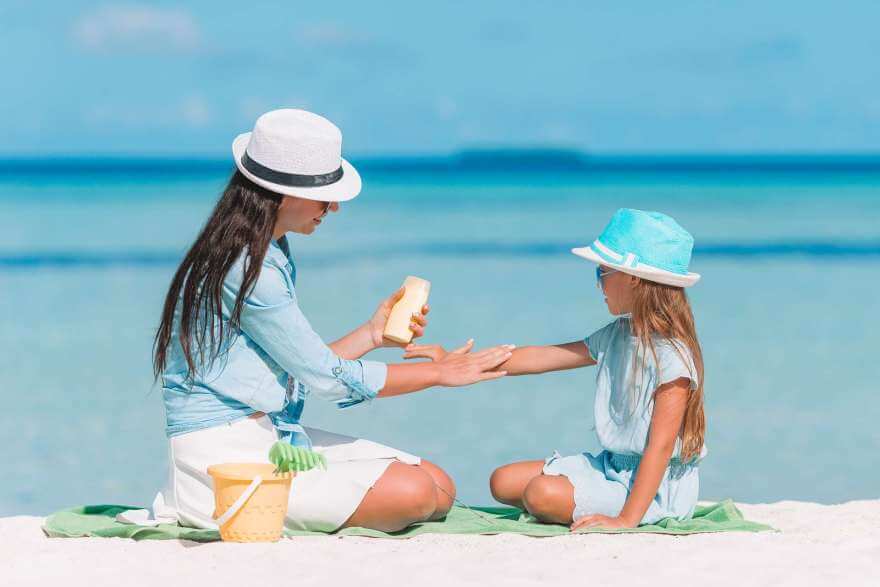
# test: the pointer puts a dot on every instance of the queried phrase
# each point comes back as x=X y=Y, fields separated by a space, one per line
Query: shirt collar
x=279 y=251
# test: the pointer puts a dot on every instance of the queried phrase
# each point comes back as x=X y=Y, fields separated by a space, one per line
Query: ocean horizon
x=513 y=160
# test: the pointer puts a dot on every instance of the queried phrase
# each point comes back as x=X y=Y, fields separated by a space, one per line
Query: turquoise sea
x=787 y=312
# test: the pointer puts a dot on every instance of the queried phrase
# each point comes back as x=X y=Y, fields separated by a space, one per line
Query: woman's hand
x=376 y=324
x=435 y=352
x=460 y=367
x=464 y=368
x=600 y=521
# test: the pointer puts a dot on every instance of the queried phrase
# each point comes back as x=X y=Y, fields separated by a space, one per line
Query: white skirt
x=320 y=500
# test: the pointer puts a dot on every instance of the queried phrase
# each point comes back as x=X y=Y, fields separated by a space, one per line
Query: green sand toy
x=288 y=458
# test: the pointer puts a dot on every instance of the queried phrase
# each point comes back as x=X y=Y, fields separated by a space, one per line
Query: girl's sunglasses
x=601 y=273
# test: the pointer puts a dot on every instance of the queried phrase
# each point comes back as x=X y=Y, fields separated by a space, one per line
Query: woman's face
x=301 y=215
x=618 y=289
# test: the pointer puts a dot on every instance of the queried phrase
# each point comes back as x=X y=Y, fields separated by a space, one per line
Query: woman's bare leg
x=444 y=489
x=508 y=483
x=402 y=496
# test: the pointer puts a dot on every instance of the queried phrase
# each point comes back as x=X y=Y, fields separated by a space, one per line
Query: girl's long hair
x=243 y=221
x=664 y=311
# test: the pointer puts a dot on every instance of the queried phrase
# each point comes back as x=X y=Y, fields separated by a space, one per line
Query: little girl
x=649 y=398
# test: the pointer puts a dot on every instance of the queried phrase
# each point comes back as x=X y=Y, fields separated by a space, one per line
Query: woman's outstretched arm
x=273 y=320
x=523 y=360
x=454 y=370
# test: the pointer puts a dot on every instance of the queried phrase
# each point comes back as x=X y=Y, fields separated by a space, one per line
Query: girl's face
x=301 y=215
x=618 y=289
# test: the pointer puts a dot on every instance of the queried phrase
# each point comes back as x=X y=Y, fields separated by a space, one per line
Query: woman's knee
x=402 y=496
x=444 y=488
x=550 y=498
x=414 y=494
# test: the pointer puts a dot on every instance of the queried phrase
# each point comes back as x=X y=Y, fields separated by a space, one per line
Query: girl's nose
x=334 y=206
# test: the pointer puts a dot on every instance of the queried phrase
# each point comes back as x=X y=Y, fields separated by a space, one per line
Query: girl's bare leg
x=550 y=498
x=508 y=483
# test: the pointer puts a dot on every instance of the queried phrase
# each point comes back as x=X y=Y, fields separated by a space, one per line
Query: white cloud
x=353 y=46
x=251 y=107
x=557 y=132
x=871 y=109
x=445 y=107
x=137 y=27
x=332 y=35
x=195 y=111
x=192 y=111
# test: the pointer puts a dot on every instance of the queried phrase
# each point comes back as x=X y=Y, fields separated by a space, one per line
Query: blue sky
x=182 y=78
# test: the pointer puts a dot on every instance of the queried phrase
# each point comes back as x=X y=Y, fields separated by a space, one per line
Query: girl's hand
x=435 y=352
x=600 y=521
x=376 y=324
x=457 y=369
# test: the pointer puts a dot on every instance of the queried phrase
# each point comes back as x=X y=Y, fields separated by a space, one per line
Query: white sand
x=818 y=544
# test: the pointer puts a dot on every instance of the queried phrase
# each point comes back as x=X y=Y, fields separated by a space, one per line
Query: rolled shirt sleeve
x=272 y=318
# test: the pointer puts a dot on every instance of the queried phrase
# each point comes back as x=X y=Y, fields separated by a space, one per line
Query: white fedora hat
x=297 y=153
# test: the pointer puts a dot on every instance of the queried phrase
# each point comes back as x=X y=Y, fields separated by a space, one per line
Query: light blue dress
x=623 y=409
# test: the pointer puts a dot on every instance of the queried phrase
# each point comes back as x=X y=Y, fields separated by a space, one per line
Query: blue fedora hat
x=649 y=245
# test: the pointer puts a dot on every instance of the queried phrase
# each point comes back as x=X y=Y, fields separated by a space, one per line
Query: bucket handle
x=239 y=503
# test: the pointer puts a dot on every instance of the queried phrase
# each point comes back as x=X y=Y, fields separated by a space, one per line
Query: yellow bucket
x=250 y=501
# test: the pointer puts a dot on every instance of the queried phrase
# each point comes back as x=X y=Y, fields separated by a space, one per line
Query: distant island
x=524 y=160
x=505 y=159
x=534 y=160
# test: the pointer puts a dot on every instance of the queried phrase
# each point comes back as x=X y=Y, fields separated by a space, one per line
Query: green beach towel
x=100 y=521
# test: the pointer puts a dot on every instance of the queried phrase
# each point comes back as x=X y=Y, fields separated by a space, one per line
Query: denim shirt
x=270 y=364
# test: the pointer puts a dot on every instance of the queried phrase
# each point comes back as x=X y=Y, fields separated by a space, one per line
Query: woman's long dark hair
x=242 y=221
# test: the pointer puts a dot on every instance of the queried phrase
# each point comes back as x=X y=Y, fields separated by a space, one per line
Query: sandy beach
x=817 y=544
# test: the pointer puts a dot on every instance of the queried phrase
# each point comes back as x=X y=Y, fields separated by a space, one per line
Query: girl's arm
x=530 y=360
x=523 y=361
x=670 y=402
x=368 y=336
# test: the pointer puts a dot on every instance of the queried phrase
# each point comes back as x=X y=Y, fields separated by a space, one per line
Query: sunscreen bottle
x=416 y=296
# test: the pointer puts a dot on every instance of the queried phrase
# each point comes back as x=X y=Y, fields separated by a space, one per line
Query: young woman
x=238 y=359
